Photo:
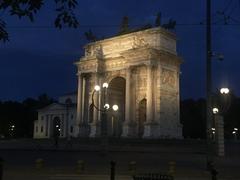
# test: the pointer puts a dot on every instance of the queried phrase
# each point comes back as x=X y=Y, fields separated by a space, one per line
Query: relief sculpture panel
x=168 y=78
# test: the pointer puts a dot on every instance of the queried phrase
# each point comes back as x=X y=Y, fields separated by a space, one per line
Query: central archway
x=116 y=95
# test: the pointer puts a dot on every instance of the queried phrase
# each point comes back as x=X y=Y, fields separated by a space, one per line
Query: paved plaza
x=150 y=157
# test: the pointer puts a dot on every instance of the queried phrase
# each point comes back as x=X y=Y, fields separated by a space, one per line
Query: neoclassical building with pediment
x=142 y=69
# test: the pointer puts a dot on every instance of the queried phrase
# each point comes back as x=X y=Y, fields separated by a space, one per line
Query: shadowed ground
x=150 y=156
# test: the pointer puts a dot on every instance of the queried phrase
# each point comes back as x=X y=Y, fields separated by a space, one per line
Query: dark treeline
x=193 y=115
x=21 y=115
x=16 y=118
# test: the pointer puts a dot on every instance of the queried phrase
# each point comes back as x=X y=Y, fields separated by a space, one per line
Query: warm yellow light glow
x=97 y=88
x=115 y=107
x=224 y=90
x=215 y=110
x=105 y=85
x=106 y=106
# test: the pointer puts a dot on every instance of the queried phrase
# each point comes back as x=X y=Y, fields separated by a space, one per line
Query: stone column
x=62 y=126
x=82 y=113
x=150 y=107
x=79 y=100
x=150 y=127
x=129 y=127
x=219 y=125
x=95 y=124
x=49 y=126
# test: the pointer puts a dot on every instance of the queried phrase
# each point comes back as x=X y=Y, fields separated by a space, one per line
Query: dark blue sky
x=39 y=58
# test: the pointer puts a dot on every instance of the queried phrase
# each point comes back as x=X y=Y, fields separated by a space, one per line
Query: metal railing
x=153 y=177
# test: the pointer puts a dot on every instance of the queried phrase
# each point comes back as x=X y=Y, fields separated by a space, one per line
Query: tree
x=124 y=27
x=193 y=118
x=21 y=116
x=28 y=8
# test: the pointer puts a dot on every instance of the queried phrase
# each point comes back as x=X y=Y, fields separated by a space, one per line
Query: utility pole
x=208 y=83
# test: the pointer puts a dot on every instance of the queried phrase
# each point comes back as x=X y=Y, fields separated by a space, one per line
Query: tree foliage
x=29 y=8
x=21 y=115
x=193 y=116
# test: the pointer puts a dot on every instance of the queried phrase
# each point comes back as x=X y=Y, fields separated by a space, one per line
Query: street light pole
x=208 y=83
x=104 y=110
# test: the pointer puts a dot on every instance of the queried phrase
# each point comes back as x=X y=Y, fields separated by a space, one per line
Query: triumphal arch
x=142 y=69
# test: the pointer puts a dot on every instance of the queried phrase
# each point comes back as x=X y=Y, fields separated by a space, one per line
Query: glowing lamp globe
x=215 y=110
x=106 y=106
x=105 y=85
x=97 y=88
x=115 y=107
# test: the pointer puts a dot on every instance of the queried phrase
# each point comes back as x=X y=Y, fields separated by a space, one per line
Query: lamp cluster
x=12 y=127
x=106 y=106
x=213 y=130
x=224 y=90
x=235 y=131
x=58 y=128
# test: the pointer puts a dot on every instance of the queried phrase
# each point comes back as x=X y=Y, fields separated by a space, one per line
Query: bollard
x=1 y=168
x=39 y=163
x=213 y=171
x=80 y=166
x=113 y=165
x=172 y=168
x=132 y=167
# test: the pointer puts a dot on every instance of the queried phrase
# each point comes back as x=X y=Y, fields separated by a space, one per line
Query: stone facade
x=142 y=69
x=57 y=119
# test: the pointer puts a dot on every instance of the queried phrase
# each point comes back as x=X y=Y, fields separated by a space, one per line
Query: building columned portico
x=142 y=70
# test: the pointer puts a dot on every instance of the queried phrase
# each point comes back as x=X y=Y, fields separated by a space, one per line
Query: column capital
x=79 y=73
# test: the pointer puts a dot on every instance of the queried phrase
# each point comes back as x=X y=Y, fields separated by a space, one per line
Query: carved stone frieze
x=139 y=41
x=157 y=38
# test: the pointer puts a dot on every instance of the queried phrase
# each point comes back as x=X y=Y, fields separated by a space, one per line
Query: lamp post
x=235 y=132
x=104 y=110
x=223 y=106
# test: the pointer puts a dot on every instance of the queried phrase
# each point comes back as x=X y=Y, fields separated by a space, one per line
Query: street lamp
x=223 y=104
x=235 y=132
x=106 y=107
x=12 y=129
x=104 y=110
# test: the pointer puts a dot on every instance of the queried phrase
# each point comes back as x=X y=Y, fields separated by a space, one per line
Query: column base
x=95 y=130
x=83 y=130
x=129 y=130
x=170 y=131
x=151 y=130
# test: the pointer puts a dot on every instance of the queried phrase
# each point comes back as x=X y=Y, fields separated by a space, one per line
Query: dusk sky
x=39 y=58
